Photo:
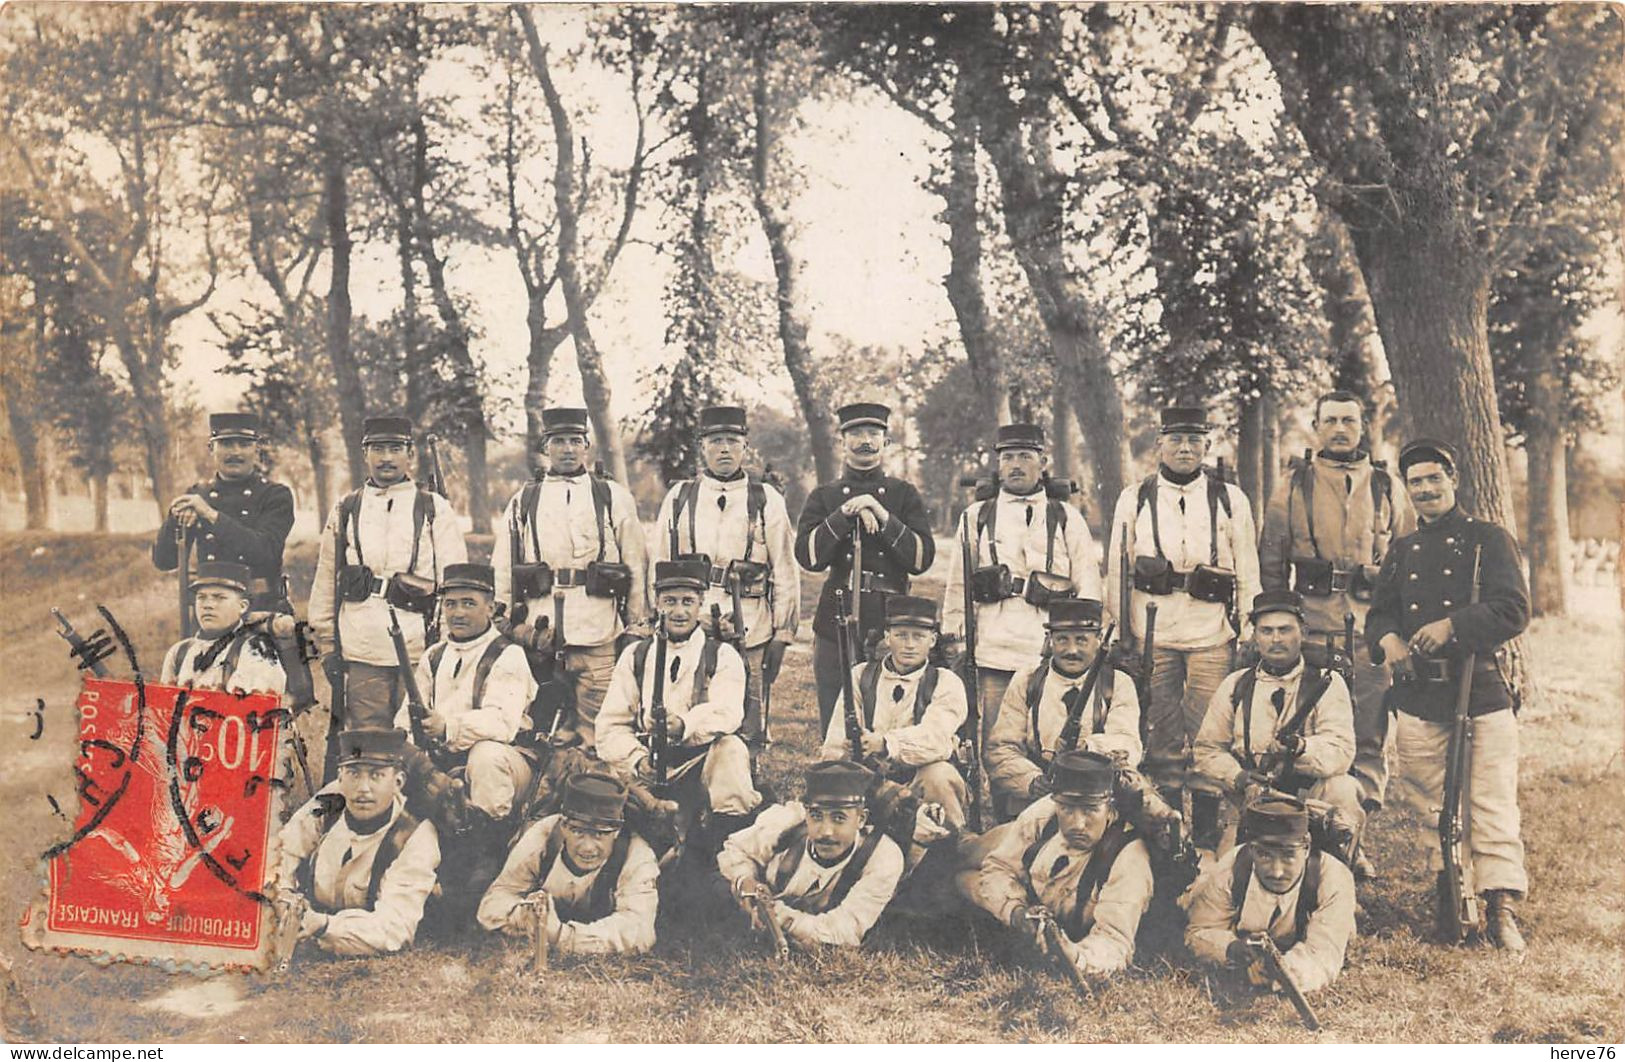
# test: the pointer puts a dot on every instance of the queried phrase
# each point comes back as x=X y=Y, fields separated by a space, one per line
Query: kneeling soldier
x=910 y=710
x=1073 y=858
x=363 y=866
x=699 y=695
x=829 y=871
x=1282 y=724
x=583 y=870
x=224 y=654
x=477 y=686
x=1038 y=701
x=1275 y=883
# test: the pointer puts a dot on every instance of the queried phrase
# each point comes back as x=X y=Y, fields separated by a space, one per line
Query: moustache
x=867 y=450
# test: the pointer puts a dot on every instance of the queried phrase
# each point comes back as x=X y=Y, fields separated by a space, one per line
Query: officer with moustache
x=239 y=516
x=896 y=541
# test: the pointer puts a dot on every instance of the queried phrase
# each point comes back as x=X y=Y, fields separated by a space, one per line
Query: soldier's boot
x=1503 y=922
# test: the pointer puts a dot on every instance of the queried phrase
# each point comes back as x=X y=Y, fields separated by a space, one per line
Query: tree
x=116 y=78
x=1434 y=126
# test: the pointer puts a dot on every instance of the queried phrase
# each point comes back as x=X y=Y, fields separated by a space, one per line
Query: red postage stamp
x=172 y=848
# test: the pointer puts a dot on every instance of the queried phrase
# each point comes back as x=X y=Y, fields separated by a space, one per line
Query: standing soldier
x=1189 y=542
x=239 y=516
x=1423 y=624
x=1031 y=547
x=883 y=516
x=739 y=526
x=1325 y=534
x=909 y=711
x=388 y=542
x=574 y=552
x=1039 y=700
x=224 y=654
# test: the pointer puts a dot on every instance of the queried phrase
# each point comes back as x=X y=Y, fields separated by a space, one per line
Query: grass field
x=944 y=980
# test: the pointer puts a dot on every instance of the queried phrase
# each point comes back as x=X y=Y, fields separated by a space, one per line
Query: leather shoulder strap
x=389 y=849
x=853 y=873
x=868 y=687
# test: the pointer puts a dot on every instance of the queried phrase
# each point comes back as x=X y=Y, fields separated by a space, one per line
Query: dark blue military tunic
x=903 y=546
x=255 y=518
x=1427 y=576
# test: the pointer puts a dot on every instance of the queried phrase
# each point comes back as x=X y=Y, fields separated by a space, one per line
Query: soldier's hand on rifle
x=312 y=923
x=1039 y=787
x=1237 y=953
x=540 y=906
x=1286 y=746
x=676 y=729
x=645 y=770
x=867 y=511
x=930 y=824
x=1030 y=922
x=1433 y=637
x=434 y=725
x=874 y=745
x=641 y=628
x=188 y=509
x=1398 y=653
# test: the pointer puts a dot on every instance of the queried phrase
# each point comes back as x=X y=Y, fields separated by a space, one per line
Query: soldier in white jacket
x=1029 y=548
x=223 y=655
x=585 y=872
x=739 y=525
x=1192 y=550
x=364 y=867
x=828 y=871
x=1039 y=699
x=702 y=687
x=388 y=542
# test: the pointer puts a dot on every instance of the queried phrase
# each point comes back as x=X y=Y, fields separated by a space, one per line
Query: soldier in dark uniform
x=1422 y=625
x=896 y=535
x=239 y=516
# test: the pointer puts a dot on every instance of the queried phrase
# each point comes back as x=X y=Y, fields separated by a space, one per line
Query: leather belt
x=719 y=576
x=882 y=582
x=377 y=587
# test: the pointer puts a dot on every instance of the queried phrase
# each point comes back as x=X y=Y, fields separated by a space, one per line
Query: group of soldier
x=544 y=745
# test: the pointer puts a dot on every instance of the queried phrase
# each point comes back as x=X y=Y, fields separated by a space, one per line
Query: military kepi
x=564 y=420
x=682 y=574
x=1277 y=601
x=903 y=610
x=228 y=574
x=1019 y=437
x=1184 y=418
x=1079 y=777
x=1419 y=451
x=837 y=783
x=375 y=745
x=234 y=426
x=858 y=414
x=1276 y=818
x=469 y=577
x=386 y=429
x=1074 y=614
x=716 y=420
x=595 y=798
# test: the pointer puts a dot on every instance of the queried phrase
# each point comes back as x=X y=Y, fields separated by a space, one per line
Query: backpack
x=869 y=685
x=350 y=513
x=702 y=681
x=1218 y=497
x=793 y=846
x=1303 y=481
x=389 y=849
x=755 y=513
x=603 y=507
x=1035 y=696
x=1101 y=860
x=482 y=669
x=1311 y=688
x=987 y=518
x=1308 y=891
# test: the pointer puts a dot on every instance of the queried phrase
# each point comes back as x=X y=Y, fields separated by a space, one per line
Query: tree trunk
x=545 y=340
x=1547 y=541
x=98 y=497
x=594 y=385
x=150 y=410
x=25 y=438
x=1269 y=453
x=1432 y=313
x=417 y=406
x=316 y=450
x=791 y=314
x=1250 y=452
x=1034 y=221
x=963 y=283
x=352 y=400
x=1061 y=434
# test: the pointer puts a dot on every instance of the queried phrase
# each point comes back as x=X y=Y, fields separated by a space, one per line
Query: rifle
x=1072 y=729
x=761 y=901
x=849 y=698
x=538 y=905
x=659 y=735
x=416 y=710
x=432 y=478
x=1265 y=951
x=290 y=917
x=1049 y=931
x=853 y=624
x=82 y=649
x=1148 y=648
x=1277 y=768
x=970 y=736
x=183 y=576
x=1454 y=817
x=333 y=668
x=772 y=662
